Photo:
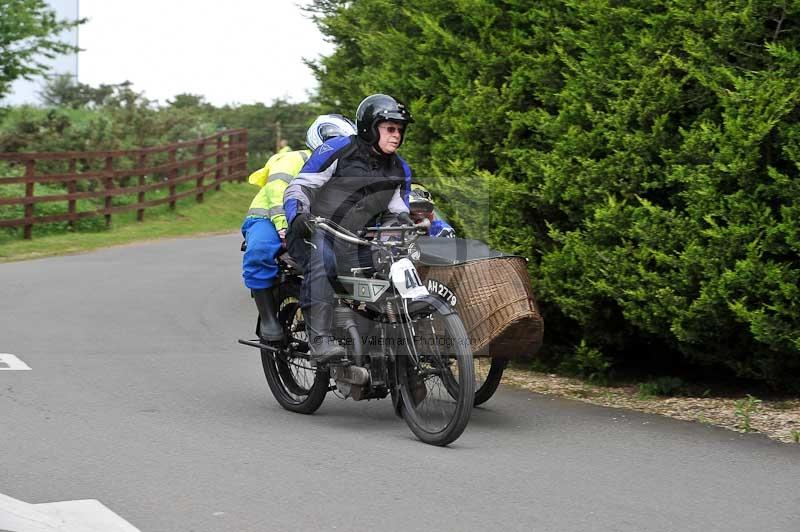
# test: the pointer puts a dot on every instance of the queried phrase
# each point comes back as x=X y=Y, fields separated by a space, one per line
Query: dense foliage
x=28 y=30
x=643 y=153
x=79 y=117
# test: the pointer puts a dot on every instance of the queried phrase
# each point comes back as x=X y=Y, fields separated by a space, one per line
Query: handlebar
x=322 y=223
x=424 y=224
x=343 y=234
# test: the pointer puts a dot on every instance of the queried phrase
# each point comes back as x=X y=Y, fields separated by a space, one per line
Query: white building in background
x=27 y=91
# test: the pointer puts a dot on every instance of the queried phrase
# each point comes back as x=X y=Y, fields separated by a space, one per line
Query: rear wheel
x=442 y=353
x=295 y=384
x=488 y=372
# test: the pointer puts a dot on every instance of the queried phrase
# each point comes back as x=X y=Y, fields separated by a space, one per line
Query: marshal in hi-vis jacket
x=273 y=180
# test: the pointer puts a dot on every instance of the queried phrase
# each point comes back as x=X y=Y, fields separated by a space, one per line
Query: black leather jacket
x=346 y=181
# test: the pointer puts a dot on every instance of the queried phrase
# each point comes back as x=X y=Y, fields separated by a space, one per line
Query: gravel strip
x=779 y=420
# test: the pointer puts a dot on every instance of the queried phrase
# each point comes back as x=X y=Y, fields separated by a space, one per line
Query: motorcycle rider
x=264 y=227
x=422 y=206
x=355 y=182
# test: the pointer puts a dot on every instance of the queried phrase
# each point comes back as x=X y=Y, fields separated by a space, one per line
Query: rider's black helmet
x=375 y=109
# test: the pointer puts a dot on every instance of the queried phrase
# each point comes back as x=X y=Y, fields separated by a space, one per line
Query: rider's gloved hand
x=300 y=225
x=447 y=232
x=405 y=219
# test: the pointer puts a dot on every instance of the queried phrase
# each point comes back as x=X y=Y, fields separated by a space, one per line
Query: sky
x=229 y=51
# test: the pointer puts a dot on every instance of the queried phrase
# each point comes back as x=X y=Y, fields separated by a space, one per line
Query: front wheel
x=295 y=384
x=439 y=353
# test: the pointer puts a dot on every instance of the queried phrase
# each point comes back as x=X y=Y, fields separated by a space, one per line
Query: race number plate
x=436 y=287
x=406 y=279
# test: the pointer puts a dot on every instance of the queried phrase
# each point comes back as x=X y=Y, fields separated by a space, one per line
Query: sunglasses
x=392 y=129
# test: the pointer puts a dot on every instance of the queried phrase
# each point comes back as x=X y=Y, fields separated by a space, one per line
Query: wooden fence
x=122 y=180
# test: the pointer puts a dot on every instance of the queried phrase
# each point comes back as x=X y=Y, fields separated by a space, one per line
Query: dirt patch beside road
x=779 y=420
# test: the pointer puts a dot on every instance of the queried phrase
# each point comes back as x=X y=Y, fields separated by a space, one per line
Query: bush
x=588 y=362
x=649 y=149
x=116 y=117
x=664 y=386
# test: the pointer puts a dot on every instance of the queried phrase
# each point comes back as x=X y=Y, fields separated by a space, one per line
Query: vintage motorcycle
x=401 y=341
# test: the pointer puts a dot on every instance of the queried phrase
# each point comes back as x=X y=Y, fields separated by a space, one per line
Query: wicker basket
x=495 y=301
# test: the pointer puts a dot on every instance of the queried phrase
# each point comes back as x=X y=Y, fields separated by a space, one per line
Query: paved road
x=139 y=396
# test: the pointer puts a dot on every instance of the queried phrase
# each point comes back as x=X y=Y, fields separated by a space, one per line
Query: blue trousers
x=259 y=268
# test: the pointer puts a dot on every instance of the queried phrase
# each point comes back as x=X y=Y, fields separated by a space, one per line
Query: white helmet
x=326 y=127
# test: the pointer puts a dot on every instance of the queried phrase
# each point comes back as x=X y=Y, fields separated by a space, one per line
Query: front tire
x=433 y=414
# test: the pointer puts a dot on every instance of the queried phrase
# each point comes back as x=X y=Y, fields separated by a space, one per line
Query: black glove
x=405 y=219
x=300 y=226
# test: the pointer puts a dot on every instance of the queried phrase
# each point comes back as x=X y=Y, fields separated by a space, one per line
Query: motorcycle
x=401 y=341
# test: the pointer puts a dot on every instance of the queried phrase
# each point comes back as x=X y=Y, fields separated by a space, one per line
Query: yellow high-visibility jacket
x=273 y=180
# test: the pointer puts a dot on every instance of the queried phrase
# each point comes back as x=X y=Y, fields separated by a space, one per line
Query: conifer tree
x=643 y=153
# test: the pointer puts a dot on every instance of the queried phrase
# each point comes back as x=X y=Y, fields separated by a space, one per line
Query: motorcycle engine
x=351 y=381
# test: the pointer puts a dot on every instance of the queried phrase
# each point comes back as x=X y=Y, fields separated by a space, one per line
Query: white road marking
x=68 y=516
x=9 y=362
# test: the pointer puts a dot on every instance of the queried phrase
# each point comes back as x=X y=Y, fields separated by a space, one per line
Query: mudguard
x=421 y=304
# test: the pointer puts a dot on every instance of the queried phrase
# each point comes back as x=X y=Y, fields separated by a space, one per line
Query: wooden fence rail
x=122 y=180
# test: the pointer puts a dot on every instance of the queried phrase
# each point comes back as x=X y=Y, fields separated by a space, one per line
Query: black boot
x=319 y=321
x=269 y=328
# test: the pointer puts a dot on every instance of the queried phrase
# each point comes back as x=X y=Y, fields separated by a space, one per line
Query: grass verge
x=221 y=211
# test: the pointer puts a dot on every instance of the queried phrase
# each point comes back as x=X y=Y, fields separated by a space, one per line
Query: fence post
x=173 y=175
x=234 y=157
x=72 y=188
x=233 y=168
x=220 y=160
x=141 y=163
x=243 y=170
x=30 y=171
x=236 y=142
x=201 y=165
x=109 y=184
x=230 y=157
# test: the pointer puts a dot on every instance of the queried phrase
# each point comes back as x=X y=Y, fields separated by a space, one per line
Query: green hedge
x=644 y=155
